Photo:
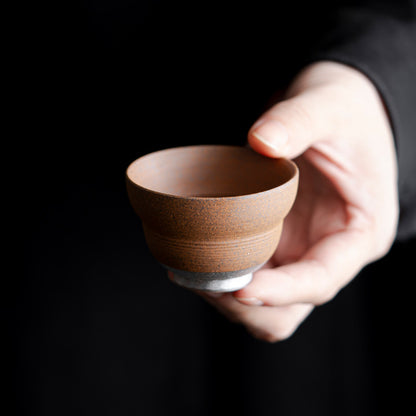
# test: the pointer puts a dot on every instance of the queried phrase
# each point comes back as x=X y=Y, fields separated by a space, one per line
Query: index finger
x=316 y=278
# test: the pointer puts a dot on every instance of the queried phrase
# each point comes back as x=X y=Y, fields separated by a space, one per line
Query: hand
x=345 y=215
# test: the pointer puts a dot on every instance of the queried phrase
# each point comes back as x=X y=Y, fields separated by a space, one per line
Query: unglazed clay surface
x=211 y=209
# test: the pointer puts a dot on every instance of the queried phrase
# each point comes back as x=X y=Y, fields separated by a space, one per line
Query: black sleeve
x=379 y=39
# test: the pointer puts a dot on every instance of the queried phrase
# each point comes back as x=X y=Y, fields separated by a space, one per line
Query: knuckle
x=384 y=244
x=382 y=241
x=382 y=227
x=382 y=249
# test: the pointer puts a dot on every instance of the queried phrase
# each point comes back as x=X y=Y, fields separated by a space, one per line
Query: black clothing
x=96 y=326
x=381 y=43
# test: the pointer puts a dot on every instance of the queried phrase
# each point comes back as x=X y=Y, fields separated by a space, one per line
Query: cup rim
x=291 y=163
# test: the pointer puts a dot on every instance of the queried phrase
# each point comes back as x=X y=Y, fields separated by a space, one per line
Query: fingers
x=278 y=300
x=269 y=324
x=316 y=278
x=291 y=126
x=317 y=107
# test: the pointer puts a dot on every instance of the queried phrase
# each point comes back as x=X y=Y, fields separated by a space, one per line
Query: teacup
x=212 y=214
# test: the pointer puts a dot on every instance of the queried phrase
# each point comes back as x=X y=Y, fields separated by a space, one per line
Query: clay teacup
x=212 y=214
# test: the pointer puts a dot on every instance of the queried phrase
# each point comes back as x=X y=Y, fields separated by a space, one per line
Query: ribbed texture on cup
x=213 y=256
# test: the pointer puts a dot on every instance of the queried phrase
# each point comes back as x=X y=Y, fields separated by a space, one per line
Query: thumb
x=291 y=126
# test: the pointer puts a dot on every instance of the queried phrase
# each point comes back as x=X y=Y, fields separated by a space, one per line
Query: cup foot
x=213 y=282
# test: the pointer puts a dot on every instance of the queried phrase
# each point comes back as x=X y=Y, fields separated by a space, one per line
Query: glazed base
x=213 y=282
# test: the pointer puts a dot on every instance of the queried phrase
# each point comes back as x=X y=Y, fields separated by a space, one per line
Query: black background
x=93 y=324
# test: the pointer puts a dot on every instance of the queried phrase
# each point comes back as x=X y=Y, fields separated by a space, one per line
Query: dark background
x=93 y=326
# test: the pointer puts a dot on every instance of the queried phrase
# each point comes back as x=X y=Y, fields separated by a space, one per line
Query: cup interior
x=209 y=171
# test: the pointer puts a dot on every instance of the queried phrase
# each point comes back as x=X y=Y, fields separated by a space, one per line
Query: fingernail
x=271 y=133
x=250 y=301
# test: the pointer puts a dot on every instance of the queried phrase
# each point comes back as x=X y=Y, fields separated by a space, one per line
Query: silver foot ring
x=213 y=282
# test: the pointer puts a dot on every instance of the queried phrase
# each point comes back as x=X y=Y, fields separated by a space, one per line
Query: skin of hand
x=332 y=121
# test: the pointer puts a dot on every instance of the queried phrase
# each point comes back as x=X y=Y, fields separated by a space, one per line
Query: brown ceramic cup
x=212 y=214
